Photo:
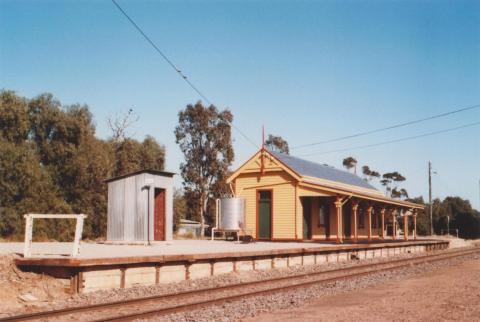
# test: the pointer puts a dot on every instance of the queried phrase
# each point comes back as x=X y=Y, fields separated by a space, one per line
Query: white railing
x=27 y=249
x=449 y=232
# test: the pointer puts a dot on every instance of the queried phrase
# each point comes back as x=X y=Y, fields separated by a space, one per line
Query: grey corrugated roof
x=312 y=169
x=151 y=171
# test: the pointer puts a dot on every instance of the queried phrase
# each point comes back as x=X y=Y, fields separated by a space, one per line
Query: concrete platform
x=101 y=266
x=46 y=250
x=175 y=247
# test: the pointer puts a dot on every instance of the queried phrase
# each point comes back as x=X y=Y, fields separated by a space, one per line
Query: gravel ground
x=227 y=312
x=250 y=307
x=446 y=294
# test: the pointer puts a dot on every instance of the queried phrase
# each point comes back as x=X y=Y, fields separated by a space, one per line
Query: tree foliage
x=52 y=162
x=462 y=217
x=349 y=163
x=179 y=207
x=129 y=154
x=277 y=144
x=391 y=181
x=204 y=136
x=369 y=174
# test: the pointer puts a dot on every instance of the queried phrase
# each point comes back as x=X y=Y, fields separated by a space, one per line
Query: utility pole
x=448 y=225
x=430 y=196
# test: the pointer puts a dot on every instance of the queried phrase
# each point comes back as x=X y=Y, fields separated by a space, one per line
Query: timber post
x=382 y=213
x=355 y=216
x=414 y=224
x=405 y=226
x=338 y=205
x=394 y=226
x=369 y=221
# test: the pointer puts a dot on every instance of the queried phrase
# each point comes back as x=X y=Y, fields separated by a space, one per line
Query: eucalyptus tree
x=349 y=163
x=391 y=181
x=277 y=144
x=52 y=162
x=25 y=184
x=204 y=136
x=369 y=174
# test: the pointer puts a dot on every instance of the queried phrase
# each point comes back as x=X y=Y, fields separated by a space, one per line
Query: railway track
x=159 y=305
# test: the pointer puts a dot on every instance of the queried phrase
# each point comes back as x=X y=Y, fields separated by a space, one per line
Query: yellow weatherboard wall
x=283 y=196
x=283 y=201
x=266 y=171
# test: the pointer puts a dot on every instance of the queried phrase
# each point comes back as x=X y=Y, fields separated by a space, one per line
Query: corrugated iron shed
x=132 y=212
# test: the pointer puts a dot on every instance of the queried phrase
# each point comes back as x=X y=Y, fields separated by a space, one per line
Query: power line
x=389 y=127
x=175 y=68
x=245 y=136
x=394 y=141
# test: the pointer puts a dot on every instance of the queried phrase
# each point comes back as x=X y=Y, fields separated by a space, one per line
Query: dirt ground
x=19 y=290
x=449 y=294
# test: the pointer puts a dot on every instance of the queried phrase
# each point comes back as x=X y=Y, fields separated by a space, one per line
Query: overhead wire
x=203 y=96
x=463 y=109
x=176 y=68
x=393 y=141
x=150 y=41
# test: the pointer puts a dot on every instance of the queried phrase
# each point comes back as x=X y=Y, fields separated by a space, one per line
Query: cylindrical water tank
x=232 y=213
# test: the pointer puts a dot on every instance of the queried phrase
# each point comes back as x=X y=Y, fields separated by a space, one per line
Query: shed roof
x=316 y=170
x=149 y=171
x=190 y=223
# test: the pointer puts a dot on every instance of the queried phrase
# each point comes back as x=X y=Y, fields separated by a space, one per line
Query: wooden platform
x=89 y=274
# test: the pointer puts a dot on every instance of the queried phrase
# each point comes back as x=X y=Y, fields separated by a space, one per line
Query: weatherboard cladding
x=312 y=169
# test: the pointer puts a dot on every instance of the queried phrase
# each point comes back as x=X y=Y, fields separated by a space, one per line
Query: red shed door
x=159 y=215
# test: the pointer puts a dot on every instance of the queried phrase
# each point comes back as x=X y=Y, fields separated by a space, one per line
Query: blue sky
x=307 y=70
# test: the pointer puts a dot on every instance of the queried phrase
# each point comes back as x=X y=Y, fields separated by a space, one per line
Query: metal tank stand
x=226 y=231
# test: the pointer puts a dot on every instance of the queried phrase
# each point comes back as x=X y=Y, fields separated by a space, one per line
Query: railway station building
x=288 y=198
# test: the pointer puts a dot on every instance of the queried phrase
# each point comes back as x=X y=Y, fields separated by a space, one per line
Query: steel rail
x=347 y=273
x=203 y=303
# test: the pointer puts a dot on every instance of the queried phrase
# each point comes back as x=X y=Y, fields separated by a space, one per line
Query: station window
x=322 y=215
x=361 y=218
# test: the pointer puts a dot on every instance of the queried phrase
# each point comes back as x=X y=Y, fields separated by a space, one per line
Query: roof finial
x=263 y=137
x=262 y=153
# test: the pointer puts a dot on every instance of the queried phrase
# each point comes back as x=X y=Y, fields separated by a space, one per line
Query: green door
x=264 y=214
